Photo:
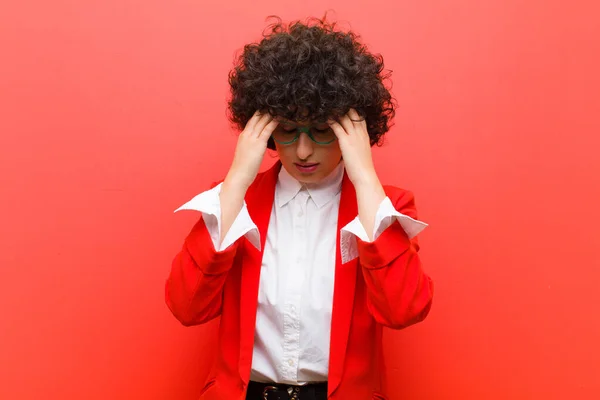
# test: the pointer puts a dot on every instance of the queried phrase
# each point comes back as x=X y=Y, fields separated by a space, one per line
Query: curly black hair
x=310 y=71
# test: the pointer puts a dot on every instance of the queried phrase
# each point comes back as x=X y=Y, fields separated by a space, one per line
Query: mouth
x=306 y=168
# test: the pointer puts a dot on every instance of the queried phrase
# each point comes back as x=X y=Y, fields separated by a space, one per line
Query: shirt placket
x=294 y=285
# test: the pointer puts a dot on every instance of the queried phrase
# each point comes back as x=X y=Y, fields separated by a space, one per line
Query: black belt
x=272 y=391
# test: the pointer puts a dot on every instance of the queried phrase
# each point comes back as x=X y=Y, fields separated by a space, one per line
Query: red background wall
x=112 y=114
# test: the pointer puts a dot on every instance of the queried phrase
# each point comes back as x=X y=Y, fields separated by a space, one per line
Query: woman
x=308 y=261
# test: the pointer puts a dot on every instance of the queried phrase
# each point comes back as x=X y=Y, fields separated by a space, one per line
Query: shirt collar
x=321 y=193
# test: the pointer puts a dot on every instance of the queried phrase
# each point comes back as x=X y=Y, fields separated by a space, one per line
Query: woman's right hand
x=250 y=150
x=249 y=153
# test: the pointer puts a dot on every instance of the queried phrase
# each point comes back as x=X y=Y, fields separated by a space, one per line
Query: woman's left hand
x=354 y=141
x=355 y=144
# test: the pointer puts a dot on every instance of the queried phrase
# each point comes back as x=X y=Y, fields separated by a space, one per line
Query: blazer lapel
x=259 y=200
x=344 y=287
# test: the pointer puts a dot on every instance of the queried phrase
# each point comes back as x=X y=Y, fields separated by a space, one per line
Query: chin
x=313 y=178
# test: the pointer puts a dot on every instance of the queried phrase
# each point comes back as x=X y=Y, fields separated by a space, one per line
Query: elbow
x=179 y=312
x=187 y=322
x=418 y=314
x=187 y=318
x=409 y=313
x=184 y=313
x=184 y=318
x=407 y=318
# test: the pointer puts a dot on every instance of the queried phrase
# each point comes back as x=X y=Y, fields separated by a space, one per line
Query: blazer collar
x=344 y=289
x=259 y=200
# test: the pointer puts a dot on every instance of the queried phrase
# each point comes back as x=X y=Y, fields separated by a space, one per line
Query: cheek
x=333 y=155
x=331 y=158
x=284 y=153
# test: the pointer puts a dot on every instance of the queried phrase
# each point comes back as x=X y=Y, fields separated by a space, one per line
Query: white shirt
x=295 y=300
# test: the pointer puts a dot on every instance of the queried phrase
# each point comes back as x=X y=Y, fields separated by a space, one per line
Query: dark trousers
x=256 y=391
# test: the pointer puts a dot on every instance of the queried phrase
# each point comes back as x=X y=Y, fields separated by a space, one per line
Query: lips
x=307 y=168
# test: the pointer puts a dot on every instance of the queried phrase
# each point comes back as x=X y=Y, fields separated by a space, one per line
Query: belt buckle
x=293 y=392
x=267 y=390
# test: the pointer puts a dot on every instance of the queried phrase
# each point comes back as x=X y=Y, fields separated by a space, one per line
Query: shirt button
x=291 y=363
x=300 y=213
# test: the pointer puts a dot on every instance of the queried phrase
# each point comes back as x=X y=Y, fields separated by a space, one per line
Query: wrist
x=232 y=193
x=367 y=181
x=369 y=188
x=238 y=181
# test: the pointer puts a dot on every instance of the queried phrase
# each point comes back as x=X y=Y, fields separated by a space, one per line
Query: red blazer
x=384 y=286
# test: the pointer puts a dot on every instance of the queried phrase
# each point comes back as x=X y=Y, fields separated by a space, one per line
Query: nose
x=304 y=148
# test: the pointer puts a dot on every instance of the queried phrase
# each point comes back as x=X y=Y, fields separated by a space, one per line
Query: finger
x=355 y=118
x=359 y=123
x=338 y=129
x=347 y=123
x=264 y=120
x=266 y=133
x=252 y=121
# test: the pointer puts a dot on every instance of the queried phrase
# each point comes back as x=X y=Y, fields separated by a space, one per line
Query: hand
x=250 y=149
x=355 y=144
x=249 y=152
x=354 y=141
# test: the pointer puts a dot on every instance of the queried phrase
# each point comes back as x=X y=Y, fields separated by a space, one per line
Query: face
x=305 y=160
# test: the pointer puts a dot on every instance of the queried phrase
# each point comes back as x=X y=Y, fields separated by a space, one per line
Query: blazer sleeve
x=194 y=288
x=399 y=293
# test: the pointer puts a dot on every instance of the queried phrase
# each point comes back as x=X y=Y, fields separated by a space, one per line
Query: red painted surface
x=112 y=114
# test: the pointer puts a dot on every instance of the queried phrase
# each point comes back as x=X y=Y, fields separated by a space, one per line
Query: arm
x=198 y=274
x=194 y=289
x=199 y=271
x=399 y=293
